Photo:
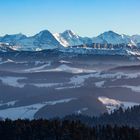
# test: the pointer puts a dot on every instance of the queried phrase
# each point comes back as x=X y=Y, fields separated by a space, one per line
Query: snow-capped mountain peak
x=110 y=33
x=60 y=39
x=70 y=33
x=42 y=40
x=68 y=38
x=110 y=37
x=43 y=33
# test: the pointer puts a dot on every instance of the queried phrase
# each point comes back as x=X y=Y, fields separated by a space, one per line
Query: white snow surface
x=38 y=63
x=28 y=112
x=111 y=37
x=112 y=104
x=68 y=38
x=75 y=81
x=46 y=85
x=100 y=84
x=65 y=62
x=37 y=69
x=7 y=61
x=62 y=41
x=13 y=81
x=81 y=110
x=133 y=88
x=10 y=103
x=66 y=68
x=78 y=80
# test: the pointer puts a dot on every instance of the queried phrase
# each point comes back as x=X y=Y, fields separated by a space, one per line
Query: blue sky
x=85 y=17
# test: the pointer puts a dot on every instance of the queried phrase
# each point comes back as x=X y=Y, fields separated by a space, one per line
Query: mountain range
x=46 y=40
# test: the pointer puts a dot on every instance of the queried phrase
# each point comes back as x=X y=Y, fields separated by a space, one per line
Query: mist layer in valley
x=47 y=86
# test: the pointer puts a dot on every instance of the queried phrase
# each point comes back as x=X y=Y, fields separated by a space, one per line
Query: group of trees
x=105 y=46
x=63 y=130
x=119 y=125
x=120 y=117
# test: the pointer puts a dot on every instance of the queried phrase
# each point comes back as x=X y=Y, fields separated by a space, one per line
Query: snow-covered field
x=28 y=112
x=133 y=88
x=112 y=104
x=13 y=81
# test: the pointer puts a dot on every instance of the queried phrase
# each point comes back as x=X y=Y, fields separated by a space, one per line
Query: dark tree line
x=115 y=126
x=63 y=130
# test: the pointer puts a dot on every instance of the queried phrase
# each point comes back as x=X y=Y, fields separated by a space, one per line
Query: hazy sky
x=85 y=17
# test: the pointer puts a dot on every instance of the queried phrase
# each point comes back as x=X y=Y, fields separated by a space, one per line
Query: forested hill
x=120 y=117
x=119 y=125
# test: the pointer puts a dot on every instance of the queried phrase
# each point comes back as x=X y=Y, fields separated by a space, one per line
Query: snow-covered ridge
x=66 y=68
